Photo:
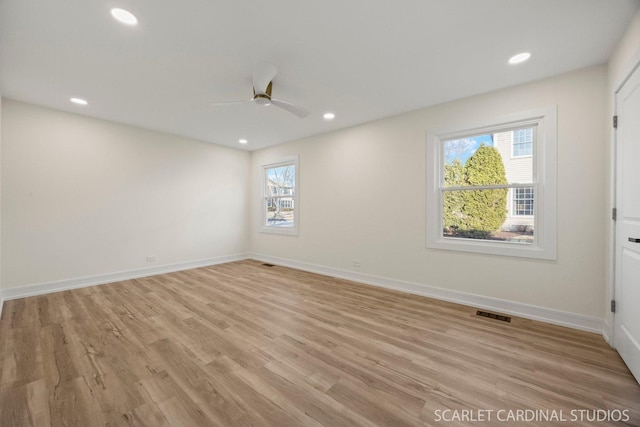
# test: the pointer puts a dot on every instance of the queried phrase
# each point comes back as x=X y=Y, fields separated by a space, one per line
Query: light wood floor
x=243 y=344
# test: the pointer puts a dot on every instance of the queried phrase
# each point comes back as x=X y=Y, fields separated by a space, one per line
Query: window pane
x=280 y=197
x=456 y=154
x=281 y=181
x=516 y=149
x=465 y=156
x=279 y=212
x=483 y=214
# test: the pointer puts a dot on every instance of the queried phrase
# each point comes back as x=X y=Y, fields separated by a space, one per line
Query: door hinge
x=613 y=306
x=614 y=214
x=615 y=122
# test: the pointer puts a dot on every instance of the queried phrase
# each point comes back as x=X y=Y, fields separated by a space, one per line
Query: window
x=522 y=142
x=523 y=201
x=491 y=188
x=279 y=197
x=286 y=203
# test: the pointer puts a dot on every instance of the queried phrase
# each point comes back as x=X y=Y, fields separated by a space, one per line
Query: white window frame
x=264 y=228
x=545 y=178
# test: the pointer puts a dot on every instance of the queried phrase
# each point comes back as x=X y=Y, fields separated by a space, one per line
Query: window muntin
x=279 y=200
x=523 y=201
x=537 y=171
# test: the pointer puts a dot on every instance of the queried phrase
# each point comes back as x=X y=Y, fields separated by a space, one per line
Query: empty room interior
x=363 y=213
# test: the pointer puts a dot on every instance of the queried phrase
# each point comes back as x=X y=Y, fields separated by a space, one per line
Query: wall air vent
x=493 y=316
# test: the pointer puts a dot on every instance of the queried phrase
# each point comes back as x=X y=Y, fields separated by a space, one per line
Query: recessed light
x=78 y=101
x=124 y=16
x=242 y=141
x=329 y=116
x=521 y=57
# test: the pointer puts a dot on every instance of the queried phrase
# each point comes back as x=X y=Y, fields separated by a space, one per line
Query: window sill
x=289 y=231
x=490 y=247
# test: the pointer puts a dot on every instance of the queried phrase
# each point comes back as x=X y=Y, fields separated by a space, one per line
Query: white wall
x=362 y=195
x=85 y=197
x=624 y=59
x=1 y=295
x=627 y=53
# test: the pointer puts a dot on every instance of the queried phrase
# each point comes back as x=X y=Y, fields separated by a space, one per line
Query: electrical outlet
x=151 y=258
x=356 y=262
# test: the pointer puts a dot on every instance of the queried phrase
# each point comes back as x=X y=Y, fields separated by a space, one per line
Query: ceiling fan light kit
x=263 y=99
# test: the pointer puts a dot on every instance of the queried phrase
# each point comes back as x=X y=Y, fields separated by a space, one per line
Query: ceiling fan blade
x=230 y=102
x=293 y=109
x=263 y=73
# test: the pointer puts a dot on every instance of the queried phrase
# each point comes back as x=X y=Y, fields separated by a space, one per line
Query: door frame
x=609 y=321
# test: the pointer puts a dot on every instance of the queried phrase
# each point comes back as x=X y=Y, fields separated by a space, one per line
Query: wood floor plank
x=15 y=410
x=72 y=404
x=242 y=344
x=146 y=415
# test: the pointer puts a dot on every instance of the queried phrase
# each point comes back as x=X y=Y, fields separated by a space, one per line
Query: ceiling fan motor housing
x=263 y=99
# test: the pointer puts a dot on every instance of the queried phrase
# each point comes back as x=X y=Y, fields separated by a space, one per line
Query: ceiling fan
x=263 y=74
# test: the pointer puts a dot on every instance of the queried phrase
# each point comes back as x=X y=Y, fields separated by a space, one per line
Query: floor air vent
x=267 y=265
x=493 y=316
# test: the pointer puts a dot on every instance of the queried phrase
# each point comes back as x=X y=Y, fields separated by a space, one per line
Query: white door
x=627 y=288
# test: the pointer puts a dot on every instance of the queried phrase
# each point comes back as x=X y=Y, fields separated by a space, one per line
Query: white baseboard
x=556 y=317
x=101 y=279
x=607 y=332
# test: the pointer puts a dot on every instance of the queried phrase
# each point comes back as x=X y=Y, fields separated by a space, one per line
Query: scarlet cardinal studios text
x=530 y=415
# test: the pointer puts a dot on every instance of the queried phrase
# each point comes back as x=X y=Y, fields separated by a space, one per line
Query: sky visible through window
x=462 y=149
x=282 y=176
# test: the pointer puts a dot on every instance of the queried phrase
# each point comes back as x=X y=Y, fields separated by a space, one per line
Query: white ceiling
x=362 y=59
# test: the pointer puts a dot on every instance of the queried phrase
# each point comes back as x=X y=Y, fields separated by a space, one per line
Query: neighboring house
x=516 y=149
x=280 y=189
